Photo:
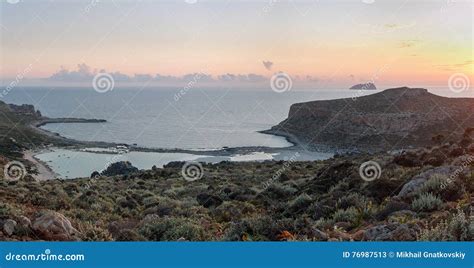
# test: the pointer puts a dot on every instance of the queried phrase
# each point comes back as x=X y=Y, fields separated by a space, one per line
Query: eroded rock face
x=51 y=225
x=393 y=119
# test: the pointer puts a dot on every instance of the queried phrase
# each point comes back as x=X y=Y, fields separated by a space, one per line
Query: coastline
x=45 y=172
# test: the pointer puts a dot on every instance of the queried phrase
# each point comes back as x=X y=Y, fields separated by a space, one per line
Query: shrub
x=353 y=199
x=172 y=229
x=426 y=202
x=299 y=204
x=457 y=228
x=92 y=232
x=350 y=215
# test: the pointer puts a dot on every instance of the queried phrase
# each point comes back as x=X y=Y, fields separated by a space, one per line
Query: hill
x=392 y=119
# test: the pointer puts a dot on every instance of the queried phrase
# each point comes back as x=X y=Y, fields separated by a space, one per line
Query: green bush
x=172 y=229
x=350 y=215
x=457 y=228
x=426 y=202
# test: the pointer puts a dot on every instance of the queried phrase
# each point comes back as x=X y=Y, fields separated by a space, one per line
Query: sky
x=317 y=43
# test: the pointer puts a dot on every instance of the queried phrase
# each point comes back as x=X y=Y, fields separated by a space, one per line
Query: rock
x=319 y=235
x=207 y=200
x=119 y=168
x=51 y=225
x=343 y=225
x=95 y=174
x=391 y=232
x=9 y=227
x=359 y=235
x=24 y=222
x=417 y=182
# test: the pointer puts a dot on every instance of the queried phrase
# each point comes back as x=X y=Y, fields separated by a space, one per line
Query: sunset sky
x=336 y=43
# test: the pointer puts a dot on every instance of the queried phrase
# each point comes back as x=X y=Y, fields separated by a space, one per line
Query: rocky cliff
x=392 y=119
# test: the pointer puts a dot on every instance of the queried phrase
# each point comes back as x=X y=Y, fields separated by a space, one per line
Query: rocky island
x=366 y=86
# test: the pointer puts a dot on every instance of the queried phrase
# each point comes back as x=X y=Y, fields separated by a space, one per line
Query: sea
x=199 y=119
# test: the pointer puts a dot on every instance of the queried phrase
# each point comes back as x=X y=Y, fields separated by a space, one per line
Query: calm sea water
x=163 y=118
x=199 y=119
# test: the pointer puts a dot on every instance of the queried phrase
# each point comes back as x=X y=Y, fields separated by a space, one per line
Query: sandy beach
x=44 y=171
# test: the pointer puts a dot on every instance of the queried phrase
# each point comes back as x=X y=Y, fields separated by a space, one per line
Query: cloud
x=455 y=66
x=85 y=73
x=252 y=78
x=268 y=65
x=409 y=43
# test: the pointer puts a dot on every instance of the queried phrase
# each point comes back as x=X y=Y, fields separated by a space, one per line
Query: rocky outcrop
x=25 y=110
x=417 y=182
x=51 y=225
x=393 y=119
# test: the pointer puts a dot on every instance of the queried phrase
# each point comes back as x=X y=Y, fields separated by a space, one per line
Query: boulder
x=9 y=227
x=391 y=232
x=417 y=182
x=24 y=222
x=51 y=225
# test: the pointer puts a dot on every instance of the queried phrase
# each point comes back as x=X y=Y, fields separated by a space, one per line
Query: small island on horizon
x=365 y=86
